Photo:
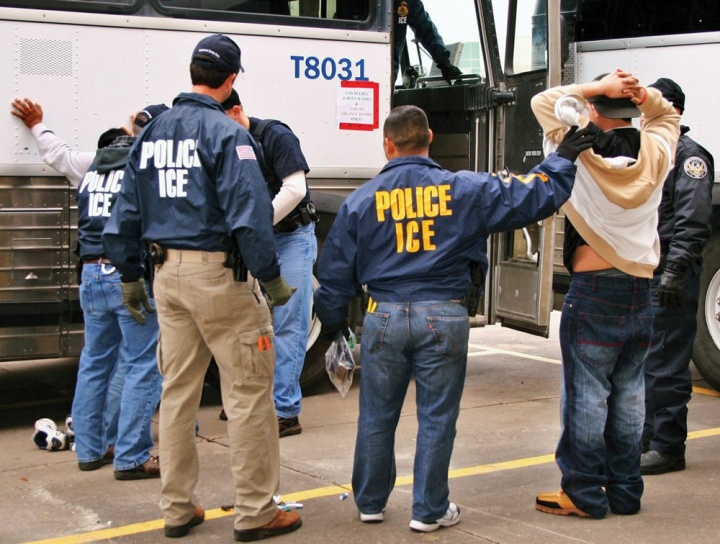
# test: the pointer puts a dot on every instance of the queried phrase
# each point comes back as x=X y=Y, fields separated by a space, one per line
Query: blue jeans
x=108 y=326
x=605 y=332
x=112 y=401
x=297 y=251
x=428 y=340
x=668 y=381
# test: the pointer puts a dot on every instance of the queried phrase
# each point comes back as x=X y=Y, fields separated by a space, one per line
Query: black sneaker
x=288 y=426
x=654 y=462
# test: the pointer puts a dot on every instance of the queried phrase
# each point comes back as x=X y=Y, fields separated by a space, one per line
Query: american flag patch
x=246 y=152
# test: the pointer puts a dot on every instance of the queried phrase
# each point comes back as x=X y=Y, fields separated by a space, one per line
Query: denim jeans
x=297 y=251
x=108 y=326
x=668 y=381
x=427 y=340
x=605 y=332
x=112 y=401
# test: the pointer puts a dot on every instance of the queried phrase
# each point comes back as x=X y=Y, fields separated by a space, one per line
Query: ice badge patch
x=695 y=167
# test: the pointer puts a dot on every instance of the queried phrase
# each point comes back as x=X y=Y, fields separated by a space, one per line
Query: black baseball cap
x=217 y=52
x=671 y=91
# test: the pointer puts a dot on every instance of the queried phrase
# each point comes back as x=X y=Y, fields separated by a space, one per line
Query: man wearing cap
x=284 y=167
x=119 y=350
x=611 y=249
x=685 y=223
x=193 y=189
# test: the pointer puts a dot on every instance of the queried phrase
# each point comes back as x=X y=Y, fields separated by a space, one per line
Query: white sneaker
x=372 y=518
x=451 y=517
x=45 y=429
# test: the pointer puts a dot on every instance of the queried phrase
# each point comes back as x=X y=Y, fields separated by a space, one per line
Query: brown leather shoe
x=177 y=531
x=288 y=426
x=106 y=459
x=283 y=522
x=149 y=469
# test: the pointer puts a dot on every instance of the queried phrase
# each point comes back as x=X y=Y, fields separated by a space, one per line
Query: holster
x=472 y=298
x=234 y=260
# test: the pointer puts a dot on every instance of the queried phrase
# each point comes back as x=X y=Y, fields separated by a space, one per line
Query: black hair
x=407 y=127
x=203 y=76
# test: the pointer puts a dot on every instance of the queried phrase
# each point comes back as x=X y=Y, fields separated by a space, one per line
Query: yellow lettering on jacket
x=412 y=209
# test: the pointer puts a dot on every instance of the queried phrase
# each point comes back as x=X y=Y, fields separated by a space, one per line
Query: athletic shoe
x=558 y=503
x=45 y=429
x=451 y=517
x=177 y=531
x=372 y=518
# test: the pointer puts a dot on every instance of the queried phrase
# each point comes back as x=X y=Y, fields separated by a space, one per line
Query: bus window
x=355 y=10
x=122 y=6
x=616 y=19
x=458 y=26
x=528 y=40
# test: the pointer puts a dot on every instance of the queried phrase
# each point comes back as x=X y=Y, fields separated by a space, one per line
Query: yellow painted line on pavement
x=155 y=525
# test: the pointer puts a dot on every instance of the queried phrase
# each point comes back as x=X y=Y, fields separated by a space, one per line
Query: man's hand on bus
x=576 y=141
x=30 y=113
x=135 y=298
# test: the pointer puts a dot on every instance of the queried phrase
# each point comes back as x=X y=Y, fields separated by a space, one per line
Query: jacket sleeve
x=515 y=201
x=56 y=153
x=544 y=105
x=243 y=195
x=661 y=120
x=692 y=197
x=337 y=268
x=122 y=235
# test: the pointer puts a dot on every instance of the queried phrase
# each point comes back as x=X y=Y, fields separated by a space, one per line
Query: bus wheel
x=706 y=349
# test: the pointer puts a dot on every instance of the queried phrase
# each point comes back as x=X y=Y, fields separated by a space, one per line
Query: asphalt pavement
x=503 y=456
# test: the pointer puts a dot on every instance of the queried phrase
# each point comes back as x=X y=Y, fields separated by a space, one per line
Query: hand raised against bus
x=30 y=113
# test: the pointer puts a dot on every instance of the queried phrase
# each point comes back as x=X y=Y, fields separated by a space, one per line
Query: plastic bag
x=340 y=364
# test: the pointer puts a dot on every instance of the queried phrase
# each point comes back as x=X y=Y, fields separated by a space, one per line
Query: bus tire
x=706 y=349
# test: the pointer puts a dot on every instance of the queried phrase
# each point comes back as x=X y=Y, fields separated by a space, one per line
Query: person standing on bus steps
x=194 y=191
x=611 y=249
x=685 y=224
x=284 y=167
x=412 y=13
x=118 y=383
x=411 y=234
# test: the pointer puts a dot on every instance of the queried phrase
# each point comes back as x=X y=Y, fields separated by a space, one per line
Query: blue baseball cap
x=218 y=52
x=148 y=113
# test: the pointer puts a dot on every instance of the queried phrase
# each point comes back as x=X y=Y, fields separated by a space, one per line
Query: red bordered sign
x=359 y=110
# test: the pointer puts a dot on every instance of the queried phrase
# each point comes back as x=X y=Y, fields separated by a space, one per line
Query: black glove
x=575 y=142
x=277 y=291
x=449 y=71
x=328 y=331
x=134 y=296
x=670 y=291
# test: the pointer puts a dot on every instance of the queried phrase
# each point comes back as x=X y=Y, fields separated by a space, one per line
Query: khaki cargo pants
x=202 y=313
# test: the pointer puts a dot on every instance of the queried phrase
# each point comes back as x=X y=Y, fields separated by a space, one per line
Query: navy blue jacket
x=192 y=179
x=100 y=183
x=685 y=213
x=412 y=12
x=410 y=233
x=282 y=156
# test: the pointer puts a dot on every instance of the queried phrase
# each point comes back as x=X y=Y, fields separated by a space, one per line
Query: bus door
x=521 y=289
